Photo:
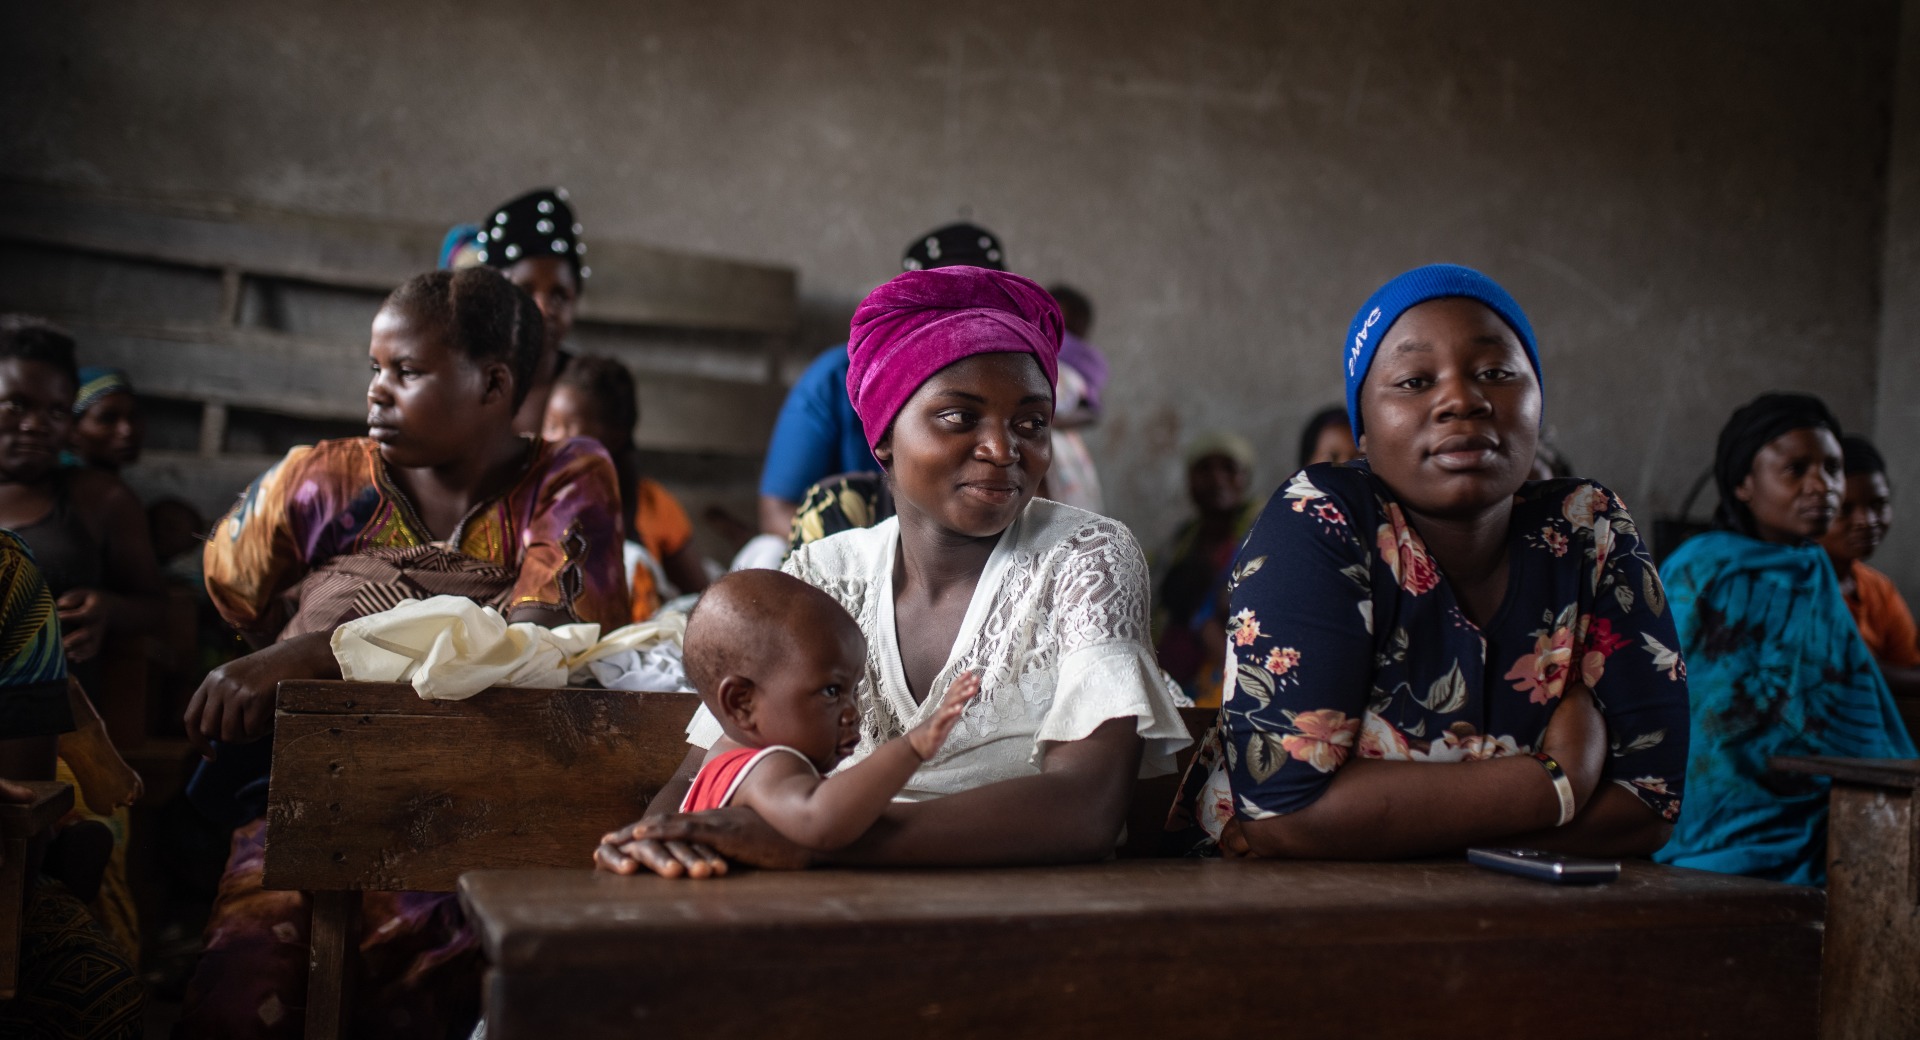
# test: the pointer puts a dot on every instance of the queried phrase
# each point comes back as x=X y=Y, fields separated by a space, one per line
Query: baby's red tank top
x=715 y=784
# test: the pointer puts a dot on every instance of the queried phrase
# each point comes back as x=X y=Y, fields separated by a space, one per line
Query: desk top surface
x=577 y=916
x=1876 y=772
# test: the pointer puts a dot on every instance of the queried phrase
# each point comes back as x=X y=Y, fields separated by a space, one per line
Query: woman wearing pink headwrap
x=952 y=374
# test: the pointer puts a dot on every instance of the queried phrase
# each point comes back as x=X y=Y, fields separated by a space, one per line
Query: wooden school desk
x=1164 y=948
x=1871 y=974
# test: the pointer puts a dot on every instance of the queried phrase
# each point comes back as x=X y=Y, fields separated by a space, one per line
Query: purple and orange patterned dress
x=553 y=540
x=326 y=536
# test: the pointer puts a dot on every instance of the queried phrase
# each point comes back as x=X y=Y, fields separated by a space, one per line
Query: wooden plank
x=250 y=368
x=51 y=800
x=331 y=963
x=396 y=793
x=20 y=823
x=1736 y=984
x=1871 y=985
x=694 y=414
x=352 y=699
x=208 y=484
x=253 y=368
x=213 y=429
x=13 y=894
x=526 y=913
x=233 y=294
x=634 y=284
x=1112 y=950
x=1877 y=772
x=631 y=283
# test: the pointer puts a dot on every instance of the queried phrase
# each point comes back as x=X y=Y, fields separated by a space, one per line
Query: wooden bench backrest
x=633 y=283
x=375 y=788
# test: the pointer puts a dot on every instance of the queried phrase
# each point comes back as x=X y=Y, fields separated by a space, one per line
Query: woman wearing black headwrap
x=535 y=241
x=1774 y=662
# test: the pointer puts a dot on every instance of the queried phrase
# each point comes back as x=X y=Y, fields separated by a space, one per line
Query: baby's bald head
x=749 y=620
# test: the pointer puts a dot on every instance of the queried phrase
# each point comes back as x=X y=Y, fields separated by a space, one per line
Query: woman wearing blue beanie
x=1425 y=650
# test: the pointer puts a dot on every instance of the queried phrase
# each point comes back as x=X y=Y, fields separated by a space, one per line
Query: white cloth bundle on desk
x=450 y=648
x=653 y=666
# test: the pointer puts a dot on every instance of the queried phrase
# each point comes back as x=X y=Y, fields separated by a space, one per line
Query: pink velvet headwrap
x=923 y=321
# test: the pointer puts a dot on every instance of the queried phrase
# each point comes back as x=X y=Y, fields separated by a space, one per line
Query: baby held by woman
x=778 y=663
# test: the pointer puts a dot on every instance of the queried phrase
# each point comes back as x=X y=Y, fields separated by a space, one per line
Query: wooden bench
x=1147 y=948
x=240 y=324
x=20 y=824
x=1871 y=970
x=376 y=789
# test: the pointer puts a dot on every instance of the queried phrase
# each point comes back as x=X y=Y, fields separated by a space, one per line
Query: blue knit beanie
x=1432 y=282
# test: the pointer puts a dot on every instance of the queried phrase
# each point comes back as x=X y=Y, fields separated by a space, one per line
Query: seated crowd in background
x=1191 y=572
x=1776 y=661
x=86 y=537
x=1430 y=584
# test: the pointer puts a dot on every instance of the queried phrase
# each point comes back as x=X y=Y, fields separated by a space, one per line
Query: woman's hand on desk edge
x=692 y=845
x=235 y=702
x=623 y=851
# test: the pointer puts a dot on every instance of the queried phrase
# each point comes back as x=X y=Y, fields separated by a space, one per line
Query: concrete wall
x=1896 y=428
x=1687 y=198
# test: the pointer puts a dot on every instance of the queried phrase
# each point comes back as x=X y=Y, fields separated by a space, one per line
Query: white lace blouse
x=1057 y=628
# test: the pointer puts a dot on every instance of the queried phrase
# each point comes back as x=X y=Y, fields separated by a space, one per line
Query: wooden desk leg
x=13 y=901
x=331 y=944
x=1870 y=970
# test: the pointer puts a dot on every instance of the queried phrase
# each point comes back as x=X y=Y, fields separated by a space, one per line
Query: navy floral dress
x=1345 y=639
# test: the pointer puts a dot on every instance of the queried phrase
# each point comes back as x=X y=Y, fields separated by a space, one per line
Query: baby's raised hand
x=926 y=738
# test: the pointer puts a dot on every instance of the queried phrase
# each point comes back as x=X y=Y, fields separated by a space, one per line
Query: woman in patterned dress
x=442 y=498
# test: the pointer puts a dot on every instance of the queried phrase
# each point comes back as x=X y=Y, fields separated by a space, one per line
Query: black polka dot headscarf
x=537 y=224
x=956 y=245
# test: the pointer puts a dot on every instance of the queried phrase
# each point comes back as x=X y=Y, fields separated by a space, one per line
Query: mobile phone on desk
x=1550 y=867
